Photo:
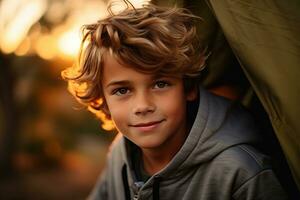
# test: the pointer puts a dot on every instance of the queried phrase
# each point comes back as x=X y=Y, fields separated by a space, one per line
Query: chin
x=148 y=144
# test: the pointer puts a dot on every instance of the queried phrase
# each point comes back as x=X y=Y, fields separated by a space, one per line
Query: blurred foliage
x=47 y=139
x=51 y=130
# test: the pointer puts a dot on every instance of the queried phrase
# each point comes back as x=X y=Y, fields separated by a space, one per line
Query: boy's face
x=149 y=110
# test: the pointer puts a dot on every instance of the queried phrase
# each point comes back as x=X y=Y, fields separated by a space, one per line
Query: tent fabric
x=264 y=36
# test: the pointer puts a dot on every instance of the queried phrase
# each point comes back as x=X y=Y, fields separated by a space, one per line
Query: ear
x=192 y=94
x=106 y=111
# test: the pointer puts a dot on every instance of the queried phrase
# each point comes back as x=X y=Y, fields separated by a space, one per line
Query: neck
x=155 y=161
x=157 y=158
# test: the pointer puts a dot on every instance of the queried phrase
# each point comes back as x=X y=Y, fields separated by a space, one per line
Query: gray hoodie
x=217 y=161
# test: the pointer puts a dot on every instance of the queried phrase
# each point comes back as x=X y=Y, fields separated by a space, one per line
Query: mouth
x=148 y=126
x=147 y=123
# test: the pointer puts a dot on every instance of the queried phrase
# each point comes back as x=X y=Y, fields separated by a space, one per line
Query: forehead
x=112 y=68
x=111 y=63
x=113 y=71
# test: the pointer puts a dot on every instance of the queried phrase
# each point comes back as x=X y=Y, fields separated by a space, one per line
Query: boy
x=177 y=141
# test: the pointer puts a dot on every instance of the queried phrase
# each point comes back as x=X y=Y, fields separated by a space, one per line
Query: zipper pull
x=136 y=188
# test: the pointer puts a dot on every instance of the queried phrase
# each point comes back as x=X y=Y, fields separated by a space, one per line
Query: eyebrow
x=127 y=82
x=121 y=82
x=158 y=76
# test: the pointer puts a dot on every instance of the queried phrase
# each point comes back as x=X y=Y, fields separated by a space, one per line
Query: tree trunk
x=8 y=107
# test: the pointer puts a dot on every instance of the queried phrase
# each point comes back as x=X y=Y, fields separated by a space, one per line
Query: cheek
x=111 y=105
x=117 y=113
x=174 y=105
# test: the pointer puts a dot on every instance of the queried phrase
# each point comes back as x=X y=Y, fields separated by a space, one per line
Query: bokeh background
x=51 y=147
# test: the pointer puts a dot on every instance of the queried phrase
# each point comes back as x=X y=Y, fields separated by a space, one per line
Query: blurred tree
x=10 y=125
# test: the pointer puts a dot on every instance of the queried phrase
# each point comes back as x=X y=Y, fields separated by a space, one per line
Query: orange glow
x=45 y=47
x=107 y=124
x=16 y=19
x=20 y=17
x=69 y=43
x=68 y=34
x=118 y=5
x=72 y=86
x=24 y=48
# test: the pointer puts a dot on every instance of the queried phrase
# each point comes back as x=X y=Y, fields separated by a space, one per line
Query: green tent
x=263 y=39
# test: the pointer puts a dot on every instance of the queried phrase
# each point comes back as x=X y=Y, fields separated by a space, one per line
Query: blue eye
x=120 y=91
x=161 y=84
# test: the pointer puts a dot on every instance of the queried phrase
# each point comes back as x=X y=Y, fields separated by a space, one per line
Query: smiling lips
x=144 y=127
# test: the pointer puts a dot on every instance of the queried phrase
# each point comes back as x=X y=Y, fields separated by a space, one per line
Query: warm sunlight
x=69 y=43
x=17 y=17
x=106 y=123
x=119 y=6
x=45 y=46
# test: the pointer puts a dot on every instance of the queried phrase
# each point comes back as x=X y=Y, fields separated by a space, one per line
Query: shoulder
x=250 y=173
x=243 y=160
x=239 y=164
x=245 y=157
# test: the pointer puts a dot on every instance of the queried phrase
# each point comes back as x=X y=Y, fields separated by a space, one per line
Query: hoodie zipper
x=155 y=188
x=136 y=188
x=138 y=185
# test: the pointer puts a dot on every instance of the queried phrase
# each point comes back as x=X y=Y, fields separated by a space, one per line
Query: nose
x=143 y=104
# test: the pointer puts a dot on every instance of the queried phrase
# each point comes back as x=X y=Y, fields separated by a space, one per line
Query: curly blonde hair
x=150 y=39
